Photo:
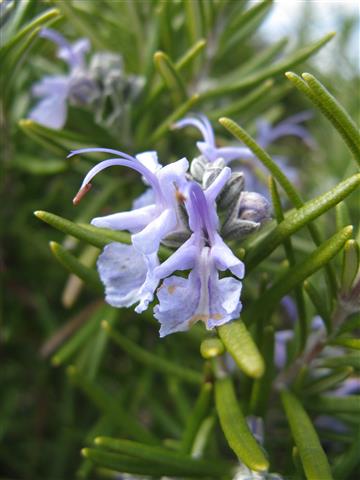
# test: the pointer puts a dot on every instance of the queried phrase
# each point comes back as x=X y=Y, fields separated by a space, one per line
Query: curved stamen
x=203 y=128
x=209 y=129
x=150 y=177
x=61 y=42
x=102 y=150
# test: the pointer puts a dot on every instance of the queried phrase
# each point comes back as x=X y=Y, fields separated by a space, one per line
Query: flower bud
x=246 y=216
x=197 y=168
x=253 y=207
x=232 y=190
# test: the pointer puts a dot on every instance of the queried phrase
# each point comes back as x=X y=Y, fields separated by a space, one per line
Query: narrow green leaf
x=243 y=103
x=335 y=404
x=98 y=237
x=327 y=382
x=178 y=113
x=81 y=23
x=300 y=272
x=110 y=407
x=193 y=20
x=203 y=437
x=53 y=146
x=95 y=236
x=14 y=62
x=123 y=463
x=351 y=265
x=352 y=360
x=290 y=254
x=262 y=386
x=342 y=215
x=347 y=342
x=239 y=343
x=196 y=417
x=257 y=251
x=264 y=158
x=17 y=40
x=243 y=18
x=268 y=72
x=319 y=302
x=301 y=85
x=312 y=455
x=242 y=27
x=79 y=338
x=171 y=77
x=153 y=361
x=174 y=462
x=262 y=58
x=190 y=55
x=235 y=428
x=336 y=110
x=69 y=261
x=347 y=462
x=54 y=135
x=36 y=166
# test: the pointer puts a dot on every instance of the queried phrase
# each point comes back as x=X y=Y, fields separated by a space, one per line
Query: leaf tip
x=105 y=325
x=39 y=214
x=98 y=440
x=85 y=452
x=71 y=371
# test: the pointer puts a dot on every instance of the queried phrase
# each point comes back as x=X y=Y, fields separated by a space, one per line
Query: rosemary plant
x=202 y=316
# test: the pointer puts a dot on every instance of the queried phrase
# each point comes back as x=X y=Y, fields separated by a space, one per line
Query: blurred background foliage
x=206 y=56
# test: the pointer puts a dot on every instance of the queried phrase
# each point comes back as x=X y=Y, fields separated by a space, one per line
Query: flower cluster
x=100 y=85
x=180 y=209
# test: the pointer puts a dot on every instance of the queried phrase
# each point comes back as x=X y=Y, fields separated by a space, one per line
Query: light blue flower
x=151 y=223
x=203 y=295
x=55 y=91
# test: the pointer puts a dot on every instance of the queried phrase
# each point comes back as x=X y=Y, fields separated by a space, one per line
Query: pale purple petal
x=57 y=85
x=173 y=172
x=217 y=185
x=348 y=387
x=148 y=240
x=149 y=160
x=231 y=153
x=133 y=221
x=225 y=259
x=123 y=271
x=204 y=127
x=178 y=301
x=50 y=112
x=224 y=302
x=281 y=339
x=74 y=55
x=182 y=259
x=146 y=292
